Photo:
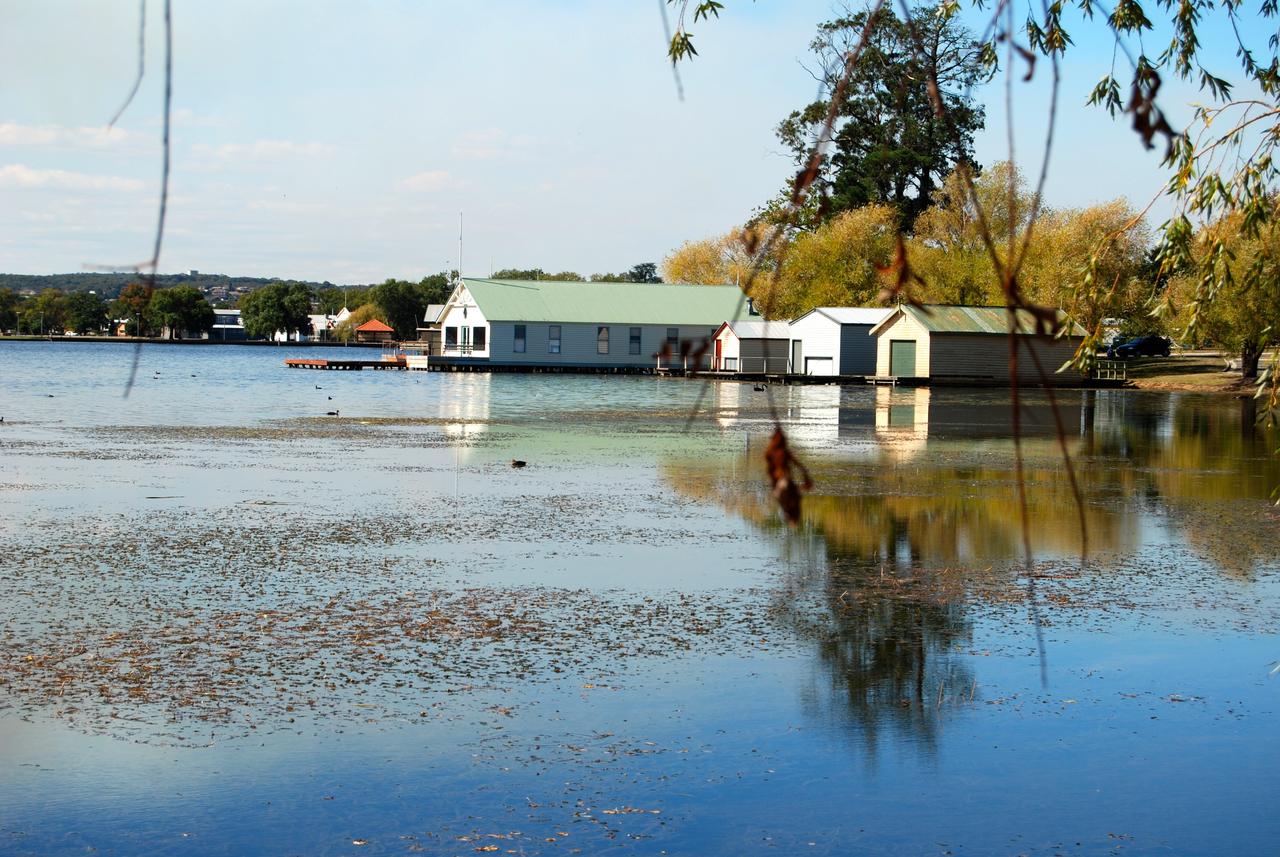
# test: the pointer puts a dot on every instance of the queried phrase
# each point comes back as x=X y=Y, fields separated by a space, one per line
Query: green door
x=902 y=358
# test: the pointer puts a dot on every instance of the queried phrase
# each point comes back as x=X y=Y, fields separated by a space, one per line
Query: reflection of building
x=902 y=417
x=969 y=344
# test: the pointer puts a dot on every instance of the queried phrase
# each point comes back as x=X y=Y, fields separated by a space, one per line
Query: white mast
x=459 y=246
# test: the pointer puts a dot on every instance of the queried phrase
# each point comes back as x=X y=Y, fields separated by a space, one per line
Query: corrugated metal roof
x=938 y=318
x=432 y=315
x=761 y=329
x=607 y=303
x=855 y=314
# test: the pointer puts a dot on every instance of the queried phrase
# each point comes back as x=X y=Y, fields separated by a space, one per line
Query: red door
x=716 y=366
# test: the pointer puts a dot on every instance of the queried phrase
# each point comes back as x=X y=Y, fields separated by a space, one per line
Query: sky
x=340 y=141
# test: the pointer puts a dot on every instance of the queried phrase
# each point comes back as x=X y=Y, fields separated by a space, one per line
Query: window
x=673 y=340
x=634 y=346
x=478 y=338
x=553 y=339
x=602 y=340
x=451 y=337
x=518 y=347
x=731 y=364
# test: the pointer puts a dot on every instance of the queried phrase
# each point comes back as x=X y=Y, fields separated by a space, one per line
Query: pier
x=343 y=365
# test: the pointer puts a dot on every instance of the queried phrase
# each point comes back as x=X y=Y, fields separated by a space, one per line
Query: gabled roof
x=433 y=313
x=606 y=303
x=993 y=320
x=374 y=326
x=758 y=329
x=851 y=314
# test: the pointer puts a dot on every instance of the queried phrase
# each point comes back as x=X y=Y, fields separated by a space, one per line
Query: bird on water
x=330 y=413
x=517 y=463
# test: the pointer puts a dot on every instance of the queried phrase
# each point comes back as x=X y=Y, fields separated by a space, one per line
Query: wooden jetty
x=342 y=365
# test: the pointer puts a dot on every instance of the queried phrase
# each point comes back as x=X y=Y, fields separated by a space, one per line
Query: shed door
x=902 y=358
x=797 y=355
x=819 y=366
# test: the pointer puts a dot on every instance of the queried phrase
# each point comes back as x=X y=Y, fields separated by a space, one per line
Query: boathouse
x=836 y=341
x=429 y=336
x=753 y=347
x=374 y=331
x=965 y=344
x=538 y=323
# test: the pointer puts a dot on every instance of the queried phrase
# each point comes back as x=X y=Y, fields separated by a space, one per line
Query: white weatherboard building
x=836 y=341
x=584 y=325
x=969 y=344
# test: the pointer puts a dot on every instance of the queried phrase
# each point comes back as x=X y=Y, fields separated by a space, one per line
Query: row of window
x=474 y=339
x=521 y=343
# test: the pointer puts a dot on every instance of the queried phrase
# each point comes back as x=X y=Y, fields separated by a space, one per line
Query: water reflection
x=916 y=513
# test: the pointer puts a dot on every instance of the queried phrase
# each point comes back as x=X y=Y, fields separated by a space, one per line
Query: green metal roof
x=937 y=318
x=607 y=303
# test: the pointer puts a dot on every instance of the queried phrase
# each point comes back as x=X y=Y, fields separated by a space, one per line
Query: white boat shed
x=964 y=344
x=836 y=341
x=541 y=323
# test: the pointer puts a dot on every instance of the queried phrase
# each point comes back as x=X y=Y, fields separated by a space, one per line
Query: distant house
x=836 y=341
x=322 y=326
x=374 y=331
x=228 y=326
x=585 y=325
x=969 y=344
x=753 y=346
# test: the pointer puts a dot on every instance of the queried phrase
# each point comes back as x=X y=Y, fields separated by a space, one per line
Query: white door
x=819 y=366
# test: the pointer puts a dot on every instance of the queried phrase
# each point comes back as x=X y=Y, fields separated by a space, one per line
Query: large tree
x=86 y=312
x=45 y=313
x=131 y=305
x=279 y=306
x=1243 y=270
x=179 y=310
x=889 y=143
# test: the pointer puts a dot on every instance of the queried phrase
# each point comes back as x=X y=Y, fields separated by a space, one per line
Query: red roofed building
x=374 y=331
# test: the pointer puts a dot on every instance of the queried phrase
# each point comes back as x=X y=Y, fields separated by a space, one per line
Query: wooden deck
x=342 y=365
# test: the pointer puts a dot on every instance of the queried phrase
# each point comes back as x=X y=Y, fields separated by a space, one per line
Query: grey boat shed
x=579 y=325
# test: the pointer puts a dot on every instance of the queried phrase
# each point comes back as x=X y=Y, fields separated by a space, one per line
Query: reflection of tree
x=885 y=645
x=1206 y=463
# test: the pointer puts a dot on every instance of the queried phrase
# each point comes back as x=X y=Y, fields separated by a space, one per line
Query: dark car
x=1143 y=346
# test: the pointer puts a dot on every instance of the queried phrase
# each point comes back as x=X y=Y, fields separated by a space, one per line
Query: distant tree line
x=110 y=285
x=645 y=272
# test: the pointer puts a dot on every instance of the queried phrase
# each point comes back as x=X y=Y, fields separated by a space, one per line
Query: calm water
x=232 y=624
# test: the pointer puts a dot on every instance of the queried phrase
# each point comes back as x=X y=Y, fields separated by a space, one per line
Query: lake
x=233 y=624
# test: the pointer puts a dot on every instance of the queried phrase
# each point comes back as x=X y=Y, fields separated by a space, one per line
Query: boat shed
x=753 y=347
x=429 y=330
x=375 y=331
x=966 y=344
x=836 y=340
x=552 y=324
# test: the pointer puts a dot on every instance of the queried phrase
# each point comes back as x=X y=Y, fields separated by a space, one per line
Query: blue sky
x=338 y=141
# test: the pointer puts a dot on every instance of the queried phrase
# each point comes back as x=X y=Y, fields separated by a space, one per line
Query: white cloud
x=489 y=143
x=61 y=136
x=431 y=180
x=19 y=176
x=263 y=150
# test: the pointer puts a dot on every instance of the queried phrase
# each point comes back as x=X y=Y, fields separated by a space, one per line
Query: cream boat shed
x=584 y=325
x=970 y=344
